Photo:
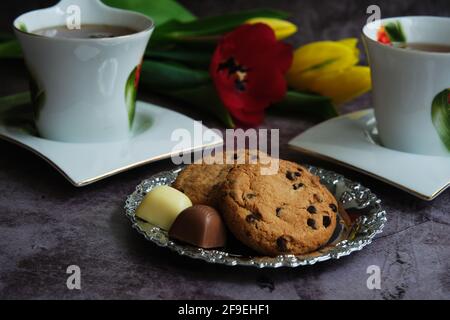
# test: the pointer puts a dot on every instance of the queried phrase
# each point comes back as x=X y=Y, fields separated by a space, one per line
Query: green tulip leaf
x=16 y=111
x=395 y=32
x=160 y=11
x=205 y=98
x=8 y=103
x=203 y=29
x=158 y=76
x=193 y=58
x=440 y=115
x=299 y=103
x=185 y=84
x=10 y=50
x=35 y=97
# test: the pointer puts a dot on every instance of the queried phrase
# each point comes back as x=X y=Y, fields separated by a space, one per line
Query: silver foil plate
x=350 y=235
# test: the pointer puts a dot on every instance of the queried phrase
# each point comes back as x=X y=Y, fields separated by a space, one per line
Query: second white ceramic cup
x=410 y=87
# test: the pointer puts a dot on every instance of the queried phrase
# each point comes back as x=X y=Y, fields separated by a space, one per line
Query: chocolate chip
x=297 y=186
x=311 y=223
x=333 y=207
x=290 y=175
x=326 y=221
x=311 y=209
x=317 y=197
x=250 y=196
x=278 y=212
x=282 y=244
x=252 y=217
x=232 y=194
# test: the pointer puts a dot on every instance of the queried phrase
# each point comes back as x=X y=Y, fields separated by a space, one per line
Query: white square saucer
x=352 y=141
x=85 y=163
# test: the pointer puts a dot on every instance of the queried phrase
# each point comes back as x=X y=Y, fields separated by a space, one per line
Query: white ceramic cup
x=84 y=90
x=410 y=86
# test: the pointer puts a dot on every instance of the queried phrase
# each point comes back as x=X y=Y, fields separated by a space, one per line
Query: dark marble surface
x=47 y=225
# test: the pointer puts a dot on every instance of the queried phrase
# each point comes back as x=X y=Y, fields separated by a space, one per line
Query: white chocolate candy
x=162 y=205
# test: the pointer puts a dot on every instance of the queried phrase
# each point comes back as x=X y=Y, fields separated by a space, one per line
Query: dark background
x=316 y=19
x=46 y=224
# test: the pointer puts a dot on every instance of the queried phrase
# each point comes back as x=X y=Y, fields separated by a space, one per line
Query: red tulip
x=248 y=69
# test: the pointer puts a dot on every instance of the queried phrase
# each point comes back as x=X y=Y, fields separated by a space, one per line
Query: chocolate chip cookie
x=289 y=212
x=202 y=181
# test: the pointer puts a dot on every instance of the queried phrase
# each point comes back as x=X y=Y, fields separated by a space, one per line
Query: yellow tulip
x=342 y=86
x=329 y=68
x=282 y=28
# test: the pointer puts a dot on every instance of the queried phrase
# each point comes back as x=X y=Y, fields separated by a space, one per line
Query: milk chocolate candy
x=201 y=226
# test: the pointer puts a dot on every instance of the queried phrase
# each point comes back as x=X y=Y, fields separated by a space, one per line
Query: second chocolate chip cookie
x=202 y=181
